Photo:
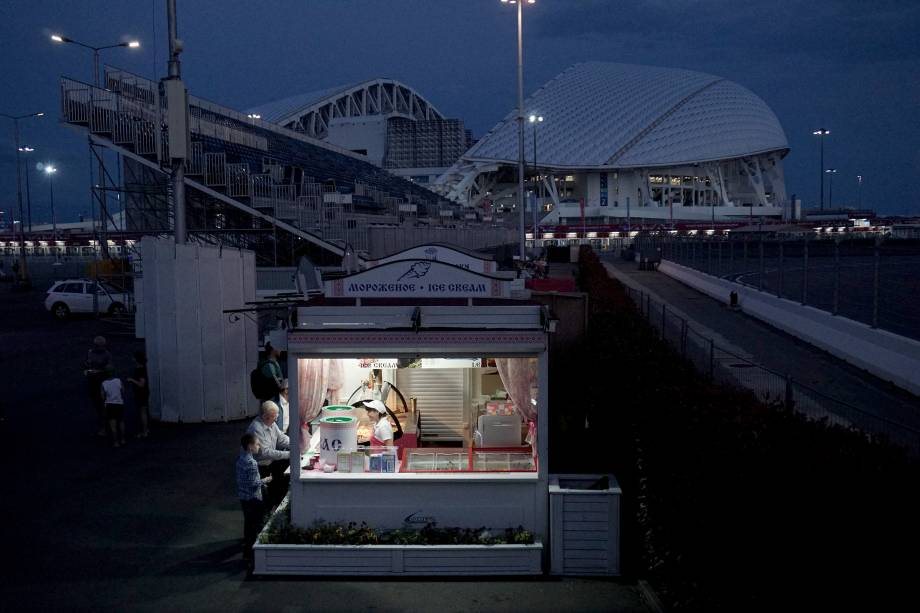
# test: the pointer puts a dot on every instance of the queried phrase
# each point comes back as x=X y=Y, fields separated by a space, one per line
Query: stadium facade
x=624 y=142
x=387 y=121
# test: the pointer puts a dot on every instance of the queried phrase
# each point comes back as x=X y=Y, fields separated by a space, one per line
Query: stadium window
x=675 y=180
x=656 y=179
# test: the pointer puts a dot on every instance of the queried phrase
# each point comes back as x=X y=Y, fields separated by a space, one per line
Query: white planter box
x=406 y=560
x=585 y=525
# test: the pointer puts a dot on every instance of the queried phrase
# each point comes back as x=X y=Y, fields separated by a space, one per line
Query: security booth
x=465 y=388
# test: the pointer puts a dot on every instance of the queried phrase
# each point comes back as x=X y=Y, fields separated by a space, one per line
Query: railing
x=730 y=369
x=870 y=280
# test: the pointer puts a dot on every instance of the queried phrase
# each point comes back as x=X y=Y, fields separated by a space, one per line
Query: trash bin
x=584 y=513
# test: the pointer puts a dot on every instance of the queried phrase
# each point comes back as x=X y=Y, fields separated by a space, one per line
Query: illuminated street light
x=23 y=273
x=534 y=120
x=520 y=119
x=132 y=44
x=830 y=172
x=821 y=133
x=49 y=171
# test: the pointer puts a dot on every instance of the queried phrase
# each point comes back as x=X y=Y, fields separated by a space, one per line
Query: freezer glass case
x=468 y=460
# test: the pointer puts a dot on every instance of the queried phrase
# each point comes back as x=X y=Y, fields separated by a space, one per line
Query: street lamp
x=131 y=44
x=254 y=116
x=103 y=204
x=28 y=187
x=858 y=191
x=830 y=172
x=520 y=116
x=23 y=273
x=534 y=120
x=821 y=133
x=49 y=171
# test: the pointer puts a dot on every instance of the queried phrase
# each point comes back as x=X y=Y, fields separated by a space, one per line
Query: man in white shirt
x=274 y=452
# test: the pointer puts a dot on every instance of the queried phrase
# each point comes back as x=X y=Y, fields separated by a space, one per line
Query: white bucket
x=337 y=433
x=338 y=410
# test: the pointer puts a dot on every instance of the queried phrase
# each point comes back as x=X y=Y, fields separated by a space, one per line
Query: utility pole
x=520 y=120
x=177 y=121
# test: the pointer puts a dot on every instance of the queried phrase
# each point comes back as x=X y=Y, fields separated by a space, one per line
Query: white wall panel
x=152 y=341
x=235 y=377
x=166 y=331
x=188 y=343
x=211 y=335
x=199 y=359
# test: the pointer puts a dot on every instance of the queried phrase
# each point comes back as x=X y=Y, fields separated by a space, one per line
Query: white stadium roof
x=605 y=115
x=313 y=112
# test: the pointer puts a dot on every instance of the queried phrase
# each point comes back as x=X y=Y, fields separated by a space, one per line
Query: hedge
x=730 y=504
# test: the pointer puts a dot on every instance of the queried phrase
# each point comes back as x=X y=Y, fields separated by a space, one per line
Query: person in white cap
x=382 y=436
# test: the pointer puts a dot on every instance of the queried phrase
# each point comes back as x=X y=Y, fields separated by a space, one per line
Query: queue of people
x=107 y=392
x=265 y=449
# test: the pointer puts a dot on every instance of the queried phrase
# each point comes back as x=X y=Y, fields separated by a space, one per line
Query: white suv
x=76 y=296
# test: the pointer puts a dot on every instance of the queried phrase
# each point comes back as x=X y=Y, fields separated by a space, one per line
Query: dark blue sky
x=849 y=65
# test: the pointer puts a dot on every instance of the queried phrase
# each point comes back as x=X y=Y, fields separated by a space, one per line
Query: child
x=141 y=388
x=249 y=489
x=113 y=397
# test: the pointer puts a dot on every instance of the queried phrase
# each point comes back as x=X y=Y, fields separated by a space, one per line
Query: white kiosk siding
x=199 y=358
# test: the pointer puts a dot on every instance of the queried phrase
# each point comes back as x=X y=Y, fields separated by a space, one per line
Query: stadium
x=632 y=143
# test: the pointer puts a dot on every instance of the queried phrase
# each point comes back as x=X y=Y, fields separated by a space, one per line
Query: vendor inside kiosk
x=444 y=415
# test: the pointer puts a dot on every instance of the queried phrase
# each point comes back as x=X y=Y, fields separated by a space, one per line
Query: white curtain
x=317 y=379
x=519 y=376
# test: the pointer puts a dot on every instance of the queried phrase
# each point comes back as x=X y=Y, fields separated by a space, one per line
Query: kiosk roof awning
x=517 y=317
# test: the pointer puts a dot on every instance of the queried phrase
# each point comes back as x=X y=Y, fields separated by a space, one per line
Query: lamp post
x=103 y=204
x=859 y=191
x=23 y=273
x=28 y=187
x=821 y=133
x=131 y=44
x=534 y=120
x=830 y=172
x=520 y=116
x=49 y=172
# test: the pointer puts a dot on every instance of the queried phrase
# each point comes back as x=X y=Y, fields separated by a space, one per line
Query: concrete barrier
x=888 y=356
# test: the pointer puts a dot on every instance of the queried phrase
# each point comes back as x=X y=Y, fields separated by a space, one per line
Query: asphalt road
x=156 y=526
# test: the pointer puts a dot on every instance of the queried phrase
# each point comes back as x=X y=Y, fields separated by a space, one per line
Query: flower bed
x=357 y=549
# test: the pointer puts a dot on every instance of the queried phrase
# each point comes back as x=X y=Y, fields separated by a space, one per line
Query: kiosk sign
x=418 y=279
x=442 y=253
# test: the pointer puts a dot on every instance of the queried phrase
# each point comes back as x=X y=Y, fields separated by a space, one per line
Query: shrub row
x=730 y=504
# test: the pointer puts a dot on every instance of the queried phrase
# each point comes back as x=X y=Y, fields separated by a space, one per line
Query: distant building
x=385 y=120
x=620 y=141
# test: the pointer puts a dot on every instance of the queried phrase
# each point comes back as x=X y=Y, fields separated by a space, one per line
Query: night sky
x=851 y=66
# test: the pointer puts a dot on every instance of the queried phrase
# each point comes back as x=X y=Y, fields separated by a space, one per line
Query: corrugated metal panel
x=441 y=398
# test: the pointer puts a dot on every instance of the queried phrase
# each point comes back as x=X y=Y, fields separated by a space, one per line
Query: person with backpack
x=266 y=380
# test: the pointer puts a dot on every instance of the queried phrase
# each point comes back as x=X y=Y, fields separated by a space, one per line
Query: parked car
x=77 y=296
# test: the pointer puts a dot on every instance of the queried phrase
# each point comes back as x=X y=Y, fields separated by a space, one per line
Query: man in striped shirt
x=249 y=489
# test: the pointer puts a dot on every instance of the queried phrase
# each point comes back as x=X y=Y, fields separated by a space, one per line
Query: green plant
x=280 y=531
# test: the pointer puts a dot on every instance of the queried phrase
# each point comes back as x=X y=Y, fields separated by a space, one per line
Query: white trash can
x=584 y=513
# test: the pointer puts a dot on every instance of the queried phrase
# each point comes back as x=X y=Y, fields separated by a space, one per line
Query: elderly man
x=274 y=451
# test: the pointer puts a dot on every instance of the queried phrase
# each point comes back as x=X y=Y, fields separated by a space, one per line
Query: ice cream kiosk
x=461 y=368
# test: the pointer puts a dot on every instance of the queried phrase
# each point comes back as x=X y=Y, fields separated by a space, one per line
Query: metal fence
x=873 y=281
x=728 y=368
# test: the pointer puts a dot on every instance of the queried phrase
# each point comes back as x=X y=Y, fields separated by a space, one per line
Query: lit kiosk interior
x=465 y=386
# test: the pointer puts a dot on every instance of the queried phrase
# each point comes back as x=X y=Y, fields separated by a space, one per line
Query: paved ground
x=155 y=526
x=777 y=350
